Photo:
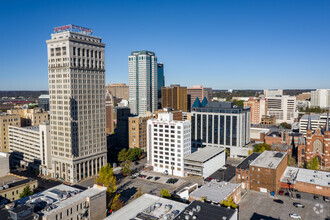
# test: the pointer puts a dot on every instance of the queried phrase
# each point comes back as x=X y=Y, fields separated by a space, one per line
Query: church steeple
x=327 y=128
x=309 y=123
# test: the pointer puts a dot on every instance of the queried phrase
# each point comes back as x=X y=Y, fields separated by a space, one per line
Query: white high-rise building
x=77 y=103
x=143 y=86
x=284 y=108
x=320 y=97
x=168 y=142
x=273 y=92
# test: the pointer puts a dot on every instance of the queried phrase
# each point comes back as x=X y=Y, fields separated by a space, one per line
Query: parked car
x=281 y=192
x=157 y=178
x=278 y=201
x=149 y=177
x=298 y=196
x=326 y=199
x=316 y=197
x=298 y=205
x=172 y=180
x=296 y=216
x=287 y=194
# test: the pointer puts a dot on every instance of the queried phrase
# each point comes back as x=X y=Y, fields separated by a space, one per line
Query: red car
x=281 y=192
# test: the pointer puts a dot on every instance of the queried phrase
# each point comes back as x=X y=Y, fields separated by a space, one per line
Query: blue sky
x=219 y=44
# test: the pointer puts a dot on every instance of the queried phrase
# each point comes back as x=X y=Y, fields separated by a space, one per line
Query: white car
x=296 y=216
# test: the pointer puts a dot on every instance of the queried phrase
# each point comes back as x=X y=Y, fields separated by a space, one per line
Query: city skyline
x=263 y=44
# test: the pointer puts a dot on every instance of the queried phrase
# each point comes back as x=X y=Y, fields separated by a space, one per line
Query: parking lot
x=256 y=205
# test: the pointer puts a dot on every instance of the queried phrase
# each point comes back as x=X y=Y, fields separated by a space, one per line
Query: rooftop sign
x=73 y=28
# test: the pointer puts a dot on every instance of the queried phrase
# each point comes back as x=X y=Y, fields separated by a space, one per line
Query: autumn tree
x=126 y=167
x=313 y=164
x=229 y=203
x=107 y=178
x=259 y=148
x=165 y=193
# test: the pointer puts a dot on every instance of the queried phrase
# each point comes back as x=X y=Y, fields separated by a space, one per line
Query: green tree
x=229 y=203
x=239 y=102
x=126 y=167
x=313 y=164
x=122 y=156
x=285 y=125
x=26 y=192
x=165 y=193
x=107 y=178
x=134 y=154
x=259 y=148
x=291 y=161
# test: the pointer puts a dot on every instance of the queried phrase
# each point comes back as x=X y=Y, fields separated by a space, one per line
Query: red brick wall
x=314 y=189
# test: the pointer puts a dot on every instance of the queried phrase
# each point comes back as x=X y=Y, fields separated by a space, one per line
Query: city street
x=256 y=205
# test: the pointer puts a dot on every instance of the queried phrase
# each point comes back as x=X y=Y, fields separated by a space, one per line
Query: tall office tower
x=43 y=102
x=200 y=92
x=168 y=142
x=175 y=97
x=77 y=103
x=221 y=124
x=161 y=83
x=143 y=86
x=321 y=98
x=137 y=130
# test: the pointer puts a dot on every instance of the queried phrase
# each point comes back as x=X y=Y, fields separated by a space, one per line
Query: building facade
x=77 y=103
x=31 y=117
x=122 y=116
x=316 y=121
x=220 y=124
x=137 y=131
x=160 y=82
x=258 y=108
x=243 y=171
x=200 y=92
x=143 y=85
x=266 y=171
x=321 y=98
x=316 y=145
x=168 y=142
x=43 y=102
x=30 y=147
x=273 y=92
x=284 y=108
x=5 y=121
x=119 y=90
x=175 y=97
x=109 y=105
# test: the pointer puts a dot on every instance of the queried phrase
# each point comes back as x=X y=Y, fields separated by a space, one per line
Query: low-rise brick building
x=266 y=171
x=243 y=171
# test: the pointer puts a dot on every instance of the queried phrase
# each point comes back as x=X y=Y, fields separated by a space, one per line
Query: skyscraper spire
x=309 y=124
x=327 y=123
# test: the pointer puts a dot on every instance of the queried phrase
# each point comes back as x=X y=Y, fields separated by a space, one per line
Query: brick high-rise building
x=200 y=92
x=258 y=108
x=119 y=90
x=77 y=103
x=175 y=97
x=109 y=105
x=31 y=117
x=137 y=130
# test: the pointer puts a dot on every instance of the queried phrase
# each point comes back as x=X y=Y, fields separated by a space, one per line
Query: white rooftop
x=269 y=159
x=204 y=154
x=215 y=191
x=140 y=207
x=320 y=178
x=60 y=196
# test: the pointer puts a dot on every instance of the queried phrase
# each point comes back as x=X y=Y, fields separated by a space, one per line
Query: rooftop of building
x=205 y=154
x=205 y=211
x=44 y=96
x=57 y=197
x=269 y=159
x=223 y=107
x=314 y=117
x=215 y=191
x=320 y=178
x=12 y=180
x=142 y=52
x=149 y=207
x=245 y=164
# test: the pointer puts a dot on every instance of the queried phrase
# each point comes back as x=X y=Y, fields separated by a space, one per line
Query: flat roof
x=245 y=164
x=204 y=154
x=314 y=177
x=60 y=196
x=137 y=209
x=215 y=191
x=269 y=159
x=206 y=211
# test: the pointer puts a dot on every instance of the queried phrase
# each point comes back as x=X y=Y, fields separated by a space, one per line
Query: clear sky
x=221 y=44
